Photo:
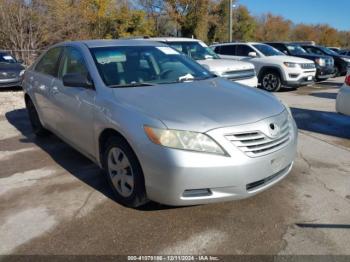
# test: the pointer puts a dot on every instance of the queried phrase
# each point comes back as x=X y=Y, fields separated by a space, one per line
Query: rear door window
x=228 y=50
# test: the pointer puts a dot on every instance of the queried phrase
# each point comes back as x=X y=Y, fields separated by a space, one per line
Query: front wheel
x=271 y=81
x=124 y=173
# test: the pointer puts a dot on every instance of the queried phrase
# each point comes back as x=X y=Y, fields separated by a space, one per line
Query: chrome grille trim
x=307 y=66
x=257 y=143
x=8 y=75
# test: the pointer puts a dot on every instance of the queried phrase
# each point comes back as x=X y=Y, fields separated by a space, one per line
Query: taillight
x=347 y=80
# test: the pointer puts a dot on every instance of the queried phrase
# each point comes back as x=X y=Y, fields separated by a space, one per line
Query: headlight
x=321 y=61
x=185 y=140
x=292 y=65
x=346 y=60
x=22 y=73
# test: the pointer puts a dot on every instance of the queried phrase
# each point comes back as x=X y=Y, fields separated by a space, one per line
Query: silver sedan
x=161 y=126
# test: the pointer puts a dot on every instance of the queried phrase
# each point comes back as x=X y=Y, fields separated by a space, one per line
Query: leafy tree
x=244 y=24
x=273 y=28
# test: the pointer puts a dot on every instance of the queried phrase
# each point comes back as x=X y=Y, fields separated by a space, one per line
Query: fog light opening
x=197 y=192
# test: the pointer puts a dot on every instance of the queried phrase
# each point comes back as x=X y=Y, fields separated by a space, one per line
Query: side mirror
x=77 y=80
x=252 y=54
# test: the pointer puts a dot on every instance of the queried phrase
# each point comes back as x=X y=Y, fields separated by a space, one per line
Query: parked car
x=345 y=52
x=162 y=127
x=341 y=62
x=240 y=72
x=11 y=71
x=335 y=49
x=324 y=64
x=273 y=68
x=343 y=97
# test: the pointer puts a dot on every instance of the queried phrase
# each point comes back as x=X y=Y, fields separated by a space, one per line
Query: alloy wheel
x=270 y=82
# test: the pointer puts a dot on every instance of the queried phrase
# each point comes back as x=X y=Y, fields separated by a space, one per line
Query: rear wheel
x=271 y=81
x=37 y=127
x=124 y=173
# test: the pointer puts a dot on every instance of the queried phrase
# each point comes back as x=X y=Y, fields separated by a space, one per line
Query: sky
x=333 y=12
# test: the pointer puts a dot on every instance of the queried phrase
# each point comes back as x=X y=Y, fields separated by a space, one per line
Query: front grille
x=329 y=62
x=308 y=66
x=239 y=75
x=8 y=75
x=256 y=143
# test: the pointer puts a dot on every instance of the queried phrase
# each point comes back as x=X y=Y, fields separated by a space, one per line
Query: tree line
x=36 y=24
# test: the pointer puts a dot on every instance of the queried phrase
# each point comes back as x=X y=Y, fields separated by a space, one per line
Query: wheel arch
x=265 y=69
x=103 y=137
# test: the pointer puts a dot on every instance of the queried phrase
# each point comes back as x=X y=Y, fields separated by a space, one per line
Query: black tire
x=336 y=71
x=137 y=195
x=35 y=122
x=271 y=81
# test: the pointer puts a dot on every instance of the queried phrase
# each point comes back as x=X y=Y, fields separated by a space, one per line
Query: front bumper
x=14 y=82
x=304 y=81
x=324 y=72
x=171 y=175
x=295 y=77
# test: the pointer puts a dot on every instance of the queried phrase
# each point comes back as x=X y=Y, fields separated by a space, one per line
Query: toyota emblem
x=274 y=130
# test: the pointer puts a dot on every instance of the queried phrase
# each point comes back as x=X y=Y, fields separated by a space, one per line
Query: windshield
x=328 y=51
x=267 y=50
x=195 y=50
x=6 y=58
x=296 y=50
x=123 y=66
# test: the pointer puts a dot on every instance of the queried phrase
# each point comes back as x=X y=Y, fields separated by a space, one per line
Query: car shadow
x=325 y=95
x=322 y=122
x=330 y=84
x=69 y=158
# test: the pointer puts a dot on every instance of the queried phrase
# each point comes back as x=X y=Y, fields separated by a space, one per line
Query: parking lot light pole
x=230 y=24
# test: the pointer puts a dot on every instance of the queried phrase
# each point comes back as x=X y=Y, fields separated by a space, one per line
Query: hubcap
x=270 y=82
x=120 y=172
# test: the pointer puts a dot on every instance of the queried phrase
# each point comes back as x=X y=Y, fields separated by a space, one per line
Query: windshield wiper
x=131 y=85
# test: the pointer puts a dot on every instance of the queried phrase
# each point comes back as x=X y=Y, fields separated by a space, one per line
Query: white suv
x=274 y=69
x=237 y=71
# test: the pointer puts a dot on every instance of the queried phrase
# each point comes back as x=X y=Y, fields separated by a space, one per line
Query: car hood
x=220 y=66
x=200 y=105
x=313 y=56
x=11 y=67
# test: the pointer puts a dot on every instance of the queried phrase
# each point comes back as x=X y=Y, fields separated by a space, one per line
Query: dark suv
x=11 y=71
x=341 y=62
x=324 y=64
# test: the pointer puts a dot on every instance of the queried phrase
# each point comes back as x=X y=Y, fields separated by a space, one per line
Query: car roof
x=171 y=39
x=109 y=43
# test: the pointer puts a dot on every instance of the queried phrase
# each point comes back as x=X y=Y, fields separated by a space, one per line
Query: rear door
x=75 y=104
x=40 y=80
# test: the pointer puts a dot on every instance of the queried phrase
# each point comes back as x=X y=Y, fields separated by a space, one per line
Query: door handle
x=55 y=90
